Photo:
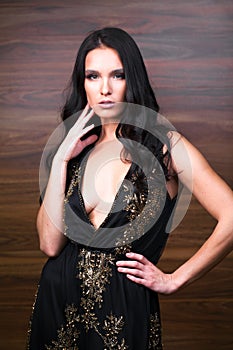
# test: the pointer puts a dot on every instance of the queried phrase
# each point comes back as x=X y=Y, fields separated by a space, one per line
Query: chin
x=110 y=112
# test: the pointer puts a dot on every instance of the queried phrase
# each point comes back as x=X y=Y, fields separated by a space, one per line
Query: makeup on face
x=105 y=83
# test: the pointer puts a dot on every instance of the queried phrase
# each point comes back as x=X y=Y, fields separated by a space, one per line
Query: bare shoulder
x=185 y=154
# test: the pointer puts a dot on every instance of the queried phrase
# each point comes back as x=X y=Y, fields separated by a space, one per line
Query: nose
x=105 y=87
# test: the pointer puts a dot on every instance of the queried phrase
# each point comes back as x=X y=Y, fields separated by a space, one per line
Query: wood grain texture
x=188 y=52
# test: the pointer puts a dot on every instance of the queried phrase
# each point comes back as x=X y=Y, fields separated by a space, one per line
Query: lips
x=106 y=104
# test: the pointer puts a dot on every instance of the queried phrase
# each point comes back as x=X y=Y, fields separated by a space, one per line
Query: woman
x=99 y=288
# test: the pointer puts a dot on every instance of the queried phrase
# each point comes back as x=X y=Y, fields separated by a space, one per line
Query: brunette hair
x=138 y=89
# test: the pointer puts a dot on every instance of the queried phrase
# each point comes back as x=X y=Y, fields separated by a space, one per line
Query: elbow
x=51 y=246
x=51 y=240
x=50 y=250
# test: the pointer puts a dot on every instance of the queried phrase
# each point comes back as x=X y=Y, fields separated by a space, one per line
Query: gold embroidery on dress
x=74 y=180
x=73 y=183
x=122 y=249
x=135 y=204
x=112 y=327
x=95 y=271
x=155 y=333
x=67 y=335
x=30 y=322
x=144 y=208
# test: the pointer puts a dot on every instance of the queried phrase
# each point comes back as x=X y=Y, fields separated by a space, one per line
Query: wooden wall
x=187 y=46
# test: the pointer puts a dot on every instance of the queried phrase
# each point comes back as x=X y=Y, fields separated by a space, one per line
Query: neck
x=108 y=131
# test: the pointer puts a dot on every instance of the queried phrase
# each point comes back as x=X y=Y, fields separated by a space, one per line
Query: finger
x=89 y=115
x=133 y=272
x=84 y=112
x=86 y=130
x=85 y=115
x=81 y=117
x=77 y=146
x=82 y=120
x=89 y=140
x=137 y=257
x=136 y=279
x=129 y=263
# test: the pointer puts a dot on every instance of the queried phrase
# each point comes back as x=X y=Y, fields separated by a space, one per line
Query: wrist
x=178 y=280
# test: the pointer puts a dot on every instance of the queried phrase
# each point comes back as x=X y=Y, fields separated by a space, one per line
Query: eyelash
x=119 y=76
x=91 y=76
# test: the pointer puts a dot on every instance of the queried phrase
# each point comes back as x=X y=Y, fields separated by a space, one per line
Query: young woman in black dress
x=104 y=217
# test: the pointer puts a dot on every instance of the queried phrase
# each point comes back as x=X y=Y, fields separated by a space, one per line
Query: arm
x=50 y=215
x=210 y=190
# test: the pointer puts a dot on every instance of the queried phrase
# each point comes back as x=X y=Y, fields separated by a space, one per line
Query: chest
x=104 y=172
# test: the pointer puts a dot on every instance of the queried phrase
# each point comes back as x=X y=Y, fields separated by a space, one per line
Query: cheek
x=88 y=91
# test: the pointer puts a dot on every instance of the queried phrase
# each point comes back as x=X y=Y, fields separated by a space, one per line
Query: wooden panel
x=188 y=49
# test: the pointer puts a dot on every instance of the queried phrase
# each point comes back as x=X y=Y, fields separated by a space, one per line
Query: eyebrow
x=115 y=71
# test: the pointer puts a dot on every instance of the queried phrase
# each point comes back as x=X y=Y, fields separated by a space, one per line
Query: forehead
x=103 y=58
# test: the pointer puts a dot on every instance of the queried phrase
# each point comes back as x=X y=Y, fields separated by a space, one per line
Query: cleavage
x=103 y=175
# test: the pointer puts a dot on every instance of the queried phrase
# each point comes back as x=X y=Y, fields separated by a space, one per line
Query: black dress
x=83 y=302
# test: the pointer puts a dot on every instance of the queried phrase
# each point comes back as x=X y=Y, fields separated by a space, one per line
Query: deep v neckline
x=81 y=170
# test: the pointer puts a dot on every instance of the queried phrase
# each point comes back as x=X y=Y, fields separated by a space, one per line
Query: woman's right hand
x=72 y=144
x=50 y=222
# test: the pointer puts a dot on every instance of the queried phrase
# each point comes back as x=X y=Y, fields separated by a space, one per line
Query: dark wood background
x=187 y=46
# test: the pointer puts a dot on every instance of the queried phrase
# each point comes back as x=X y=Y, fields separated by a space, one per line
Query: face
x=105 y=83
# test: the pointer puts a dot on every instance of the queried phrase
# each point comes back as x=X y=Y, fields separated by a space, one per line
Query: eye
x=92 y=76
x=119 y=76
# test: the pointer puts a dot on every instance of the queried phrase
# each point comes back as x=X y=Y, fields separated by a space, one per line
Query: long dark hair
x=138 y=91
x=138 y=88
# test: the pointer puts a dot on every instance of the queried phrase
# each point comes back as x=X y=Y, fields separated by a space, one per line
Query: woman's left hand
x=142 y=271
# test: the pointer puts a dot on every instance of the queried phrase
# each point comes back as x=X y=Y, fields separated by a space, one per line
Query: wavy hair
x=138 y=90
